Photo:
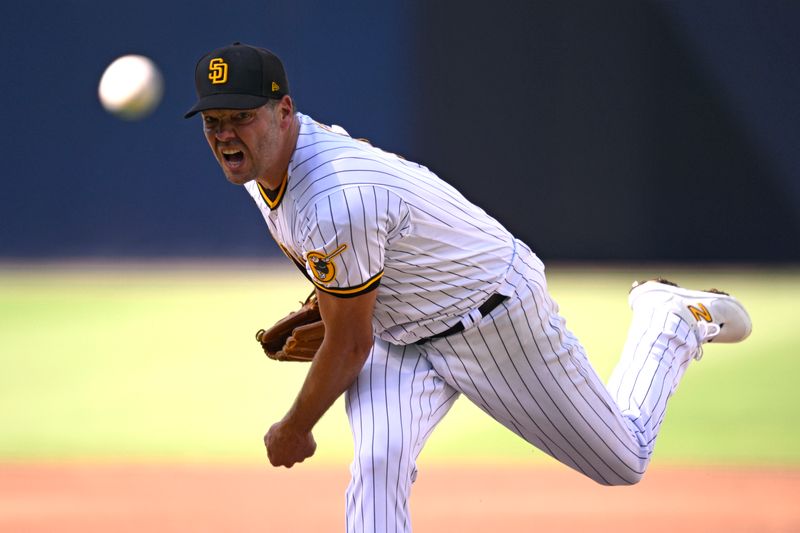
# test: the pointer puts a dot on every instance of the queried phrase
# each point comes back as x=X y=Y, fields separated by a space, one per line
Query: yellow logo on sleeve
x=218 y=71
x=322 y=265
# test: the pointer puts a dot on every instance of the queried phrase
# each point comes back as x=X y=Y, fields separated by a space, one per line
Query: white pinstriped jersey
x=356 y=218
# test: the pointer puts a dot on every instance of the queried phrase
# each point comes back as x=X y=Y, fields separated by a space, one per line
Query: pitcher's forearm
x=331 y=373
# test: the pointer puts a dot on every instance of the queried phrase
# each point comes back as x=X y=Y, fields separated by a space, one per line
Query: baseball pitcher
x=422 y=297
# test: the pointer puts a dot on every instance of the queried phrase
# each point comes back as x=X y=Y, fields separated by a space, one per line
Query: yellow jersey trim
x=369 y=285
x=272 y=204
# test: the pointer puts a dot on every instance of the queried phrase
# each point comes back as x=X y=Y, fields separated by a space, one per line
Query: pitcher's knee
x=387 y=464
x=621 y=475
x=379 y=490
x=625 y=480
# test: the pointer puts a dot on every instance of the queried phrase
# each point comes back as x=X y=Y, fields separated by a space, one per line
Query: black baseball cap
x=238 y=76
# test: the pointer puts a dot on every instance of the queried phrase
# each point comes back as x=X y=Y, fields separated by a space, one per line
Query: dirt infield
x=199 y=499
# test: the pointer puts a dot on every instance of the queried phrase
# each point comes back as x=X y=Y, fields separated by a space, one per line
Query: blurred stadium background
x=626 y=130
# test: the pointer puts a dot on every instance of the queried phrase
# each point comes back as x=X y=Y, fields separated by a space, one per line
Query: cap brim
x=227 y=101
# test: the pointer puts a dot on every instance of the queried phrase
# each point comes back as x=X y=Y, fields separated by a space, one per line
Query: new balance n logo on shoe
x=700 y=312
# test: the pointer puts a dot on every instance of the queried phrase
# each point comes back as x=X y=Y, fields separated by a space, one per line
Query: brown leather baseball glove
x=295 y=337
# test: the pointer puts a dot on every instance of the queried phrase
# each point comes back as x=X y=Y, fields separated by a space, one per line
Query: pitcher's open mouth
x=233 y=158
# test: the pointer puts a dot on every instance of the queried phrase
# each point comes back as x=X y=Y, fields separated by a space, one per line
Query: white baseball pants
x=527 y=371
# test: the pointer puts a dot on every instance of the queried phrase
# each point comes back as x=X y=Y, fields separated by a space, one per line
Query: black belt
x=484 y=309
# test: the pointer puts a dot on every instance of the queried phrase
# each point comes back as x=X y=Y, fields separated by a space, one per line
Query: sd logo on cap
x=238 y=76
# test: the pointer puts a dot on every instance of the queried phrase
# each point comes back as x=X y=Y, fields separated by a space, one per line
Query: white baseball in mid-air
x=131 y=87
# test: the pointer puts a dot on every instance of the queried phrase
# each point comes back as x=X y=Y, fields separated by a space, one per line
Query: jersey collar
x=273 y=198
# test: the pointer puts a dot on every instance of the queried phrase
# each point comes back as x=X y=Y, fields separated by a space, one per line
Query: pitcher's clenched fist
x=286 y=446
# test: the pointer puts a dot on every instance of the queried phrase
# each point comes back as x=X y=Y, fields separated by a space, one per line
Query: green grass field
x=127 y=362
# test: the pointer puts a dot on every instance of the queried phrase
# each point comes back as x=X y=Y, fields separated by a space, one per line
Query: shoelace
x=705 y=332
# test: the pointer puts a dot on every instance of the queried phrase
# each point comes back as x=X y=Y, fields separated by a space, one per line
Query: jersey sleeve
x=346 y=239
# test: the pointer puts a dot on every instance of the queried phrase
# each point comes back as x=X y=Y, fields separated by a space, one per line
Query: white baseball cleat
x=719 y=316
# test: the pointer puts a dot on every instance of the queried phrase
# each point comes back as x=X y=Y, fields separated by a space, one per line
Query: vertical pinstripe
x=525 y=369
x=406 y=400
x=436 y=254
x=376 y=217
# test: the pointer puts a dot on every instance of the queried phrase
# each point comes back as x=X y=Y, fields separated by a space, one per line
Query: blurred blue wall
x=615 y=130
